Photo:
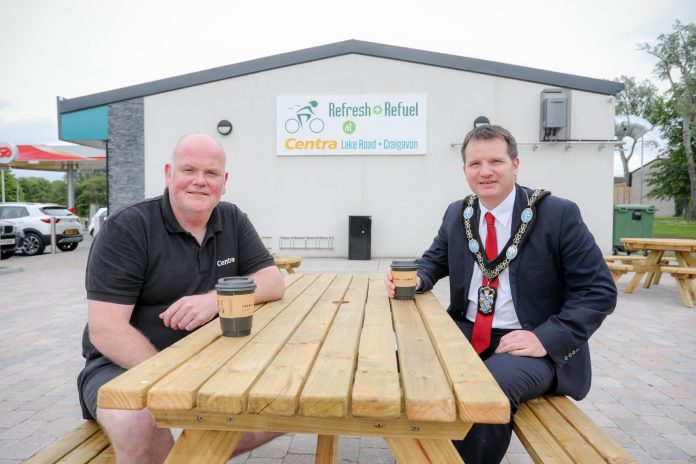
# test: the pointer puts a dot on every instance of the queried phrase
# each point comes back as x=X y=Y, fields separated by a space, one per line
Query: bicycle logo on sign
x=305 y=116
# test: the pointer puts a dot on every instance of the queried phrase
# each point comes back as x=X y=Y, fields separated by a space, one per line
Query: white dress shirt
x=504 y=316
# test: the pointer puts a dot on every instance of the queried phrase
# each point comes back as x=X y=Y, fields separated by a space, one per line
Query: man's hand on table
x=389 y=284
x=521 y=343
x=190 y=312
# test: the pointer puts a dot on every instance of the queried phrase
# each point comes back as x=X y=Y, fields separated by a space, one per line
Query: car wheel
x=6 y=254
x=33 y=245
x=67 y=246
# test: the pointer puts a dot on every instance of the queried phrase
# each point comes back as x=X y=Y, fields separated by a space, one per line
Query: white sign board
x=390 y=124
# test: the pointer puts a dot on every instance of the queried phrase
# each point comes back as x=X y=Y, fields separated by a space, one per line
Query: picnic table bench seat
x=554 y=430
x=617 y=270
x=551 y=428
x=86 y=444
x=679 y=271
x=620 y=265
x=684 y=277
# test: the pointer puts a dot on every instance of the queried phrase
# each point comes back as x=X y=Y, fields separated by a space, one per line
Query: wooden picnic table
x=322 y=360
x=684 y=271
x=289 y=263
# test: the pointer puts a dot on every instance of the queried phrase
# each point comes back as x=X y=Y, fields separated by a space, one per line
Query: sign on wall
x=390 y=124
x=8 y=152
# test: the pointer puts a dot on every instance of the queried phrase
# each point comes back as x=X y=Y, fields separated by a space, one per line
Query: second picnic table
x=334 y=357
x=684 y=271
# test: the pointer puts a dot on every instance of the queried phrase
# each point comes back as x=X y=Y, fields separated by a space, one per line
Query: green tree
x=35 y=189
x=669 y=177
x=41 y=190
x=90 y=190
x=636 y=99
x=11 y=191
x=676 y=63
x=58 y=192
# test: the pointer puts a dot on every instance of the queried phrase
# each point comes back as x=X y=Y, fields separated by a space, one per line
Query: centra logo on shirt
x=225 y=262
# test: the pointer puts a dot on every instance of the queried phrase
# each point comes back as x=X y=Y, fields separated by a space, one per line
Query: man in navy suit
x=528 y=284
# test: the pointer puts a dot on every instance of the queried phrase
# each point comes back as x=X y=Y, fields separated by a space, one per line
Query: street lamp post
x=642 y=172
x=634 y=127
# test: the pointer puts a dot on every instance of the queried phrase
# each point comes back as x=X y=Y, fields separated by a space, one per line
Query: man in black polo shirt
x=150 y=281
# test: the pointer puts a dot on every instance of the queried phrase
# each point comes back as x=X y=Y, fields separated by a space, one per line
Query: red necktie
x=481 y=336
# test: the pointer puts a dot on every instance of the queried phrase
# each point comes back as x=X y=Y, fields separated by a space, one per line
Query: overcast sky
x=72 y=48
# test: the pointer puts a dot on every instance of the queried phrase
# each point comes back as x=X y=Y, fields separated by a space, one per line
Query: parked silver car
x=34 y=219
x=11 y=238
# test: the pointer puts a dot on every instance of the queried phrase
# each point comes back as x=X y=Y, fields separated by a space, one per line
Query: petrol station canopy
x=59 y=158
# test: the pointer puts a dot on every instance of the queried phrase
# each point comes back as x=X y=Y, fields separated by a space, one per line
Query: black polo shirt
x=142 y=256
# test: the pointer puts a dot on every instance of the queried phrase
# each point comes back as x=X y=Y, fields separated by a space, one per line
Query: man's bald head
x=193 y=143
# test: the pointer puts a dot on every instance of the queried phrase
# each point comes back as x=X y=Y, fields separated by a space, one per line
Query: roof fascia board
x=392 y=52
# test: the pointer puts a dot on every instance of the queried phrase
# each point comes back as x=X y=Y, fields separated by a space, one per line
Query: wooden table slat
x=89 y=449
x=108 y=456
x=579 y=450
x=228 y=388
x=427 y=394
x=129 y=390
x=278 y=390
x=291 y=279
x=178 y=389
x=327 y=391
x=476 y=391
x=352 y=426
x=376 y=389
x=536 y=439
x=607 y=448
x=65 y=444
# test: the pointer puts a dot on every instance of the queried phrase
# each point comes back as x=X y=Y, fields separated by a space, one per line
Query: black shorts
x=95 y=374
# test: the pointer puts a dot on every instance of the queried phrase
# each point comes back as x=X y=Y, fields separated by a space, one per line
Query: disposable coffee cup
x=404 y=277
x=235 y=297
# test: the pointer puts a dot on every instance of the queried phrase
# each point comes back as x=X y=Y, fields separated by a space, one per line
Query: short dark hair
x=488 y=131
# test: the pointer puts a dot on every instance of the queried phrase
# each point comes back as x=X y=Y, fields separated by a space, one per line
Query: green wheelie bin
x=631 y=221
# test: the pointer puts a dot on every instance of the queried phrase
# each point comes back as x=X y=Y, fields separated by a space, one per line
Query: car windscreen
x=56 y=211
x=13 y=212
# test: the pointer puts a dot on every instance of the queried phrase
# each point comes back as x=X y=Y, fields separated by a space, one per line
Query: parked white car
x=34 y=219
x=97 y=221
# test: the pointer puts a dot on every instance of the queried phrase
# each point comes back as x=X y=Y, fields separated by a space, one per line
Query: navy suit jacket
x=561 y=287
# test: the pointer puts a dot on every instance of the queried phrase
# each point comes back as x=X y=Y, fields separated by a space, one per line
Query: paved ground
x=643 y=394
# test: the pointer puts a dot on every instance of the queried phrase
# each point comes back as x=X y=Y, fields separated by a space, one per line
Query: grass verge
x=672 y=227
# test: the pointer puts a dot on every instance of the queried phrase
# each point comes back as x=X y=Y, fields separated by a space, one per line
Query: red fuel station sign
x=8 y=153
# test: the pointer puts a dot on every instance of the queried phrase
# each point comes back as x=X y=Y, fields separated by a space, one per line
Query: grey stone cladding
x=126 y=153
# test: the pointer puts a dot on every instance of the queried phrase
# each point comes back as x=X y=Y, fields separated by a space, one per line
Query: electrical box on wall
x=555 y=115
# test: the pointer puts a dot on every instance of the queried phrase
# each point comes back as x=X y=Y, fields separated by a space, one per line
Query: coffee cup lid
x=236 y=284
x=409 y=265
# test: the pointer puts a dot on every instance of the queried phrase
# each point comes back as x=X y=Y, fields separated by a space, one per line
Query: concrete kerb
x=644 y=365
x=10 y=269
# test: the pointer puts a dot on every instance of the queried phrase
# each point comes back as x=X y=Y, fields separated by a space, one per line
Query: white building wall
x=406 y=196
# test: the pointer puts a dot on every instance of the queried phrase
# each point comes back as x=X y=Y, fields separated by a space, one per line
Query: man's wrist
x=419 y=284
